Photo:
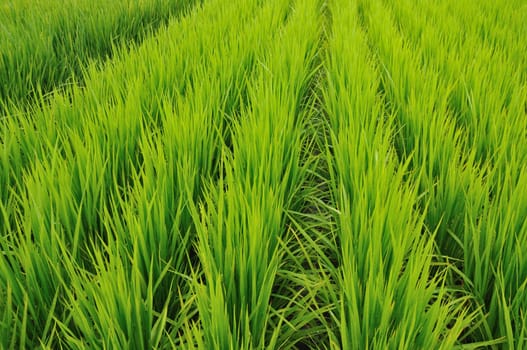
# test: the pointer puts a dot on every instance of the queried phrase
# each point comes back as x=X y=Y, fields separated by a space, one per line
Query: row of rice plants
x=491 y=89
x=485 y=21
x=46 y=44
x=244 y=224
x=97 y=233
x=445 y=173
x=428 y=136
x=388 y=292
x=490 y=224
x=488 y=93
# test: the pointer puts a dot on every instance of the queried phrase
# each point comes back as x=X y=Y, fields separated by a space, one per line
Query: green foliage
x=278 y=174
x=46 y=44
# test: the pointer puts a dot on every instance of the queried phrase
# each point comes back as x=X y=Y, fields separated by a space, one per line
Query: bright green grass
x=46 y=44
x=113 y=175
x=390 y=294
x=489 y=153
x=278 y=174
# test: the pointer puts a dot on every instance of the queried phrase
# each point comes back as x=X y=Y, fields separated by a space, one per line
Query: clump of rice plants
x=46 y=44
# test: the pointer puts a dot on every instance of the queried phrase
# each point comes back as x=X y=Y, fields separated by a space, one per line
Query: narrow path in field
x=310 y=247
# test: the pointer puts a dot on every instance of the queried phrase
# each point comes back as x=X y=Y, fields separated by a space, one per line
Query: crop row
x=45 y=45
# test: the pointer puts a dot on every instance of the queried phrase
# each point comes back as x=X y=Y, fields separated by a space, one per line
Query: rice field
x=263 y=174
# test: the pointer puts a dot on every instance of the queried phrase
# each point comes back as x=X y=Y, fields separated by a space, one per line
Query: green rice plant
x=115 y=306
x=31 y=137
x=464 y=23
x=45 y=44
x=444 y=169
x=496 y=103
x=489 y=138
x=127 y=174
x=244 y=217
x=487 y=93
x=495 y=262
x=388 y=293
x=445 y=172
x=32 y=283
